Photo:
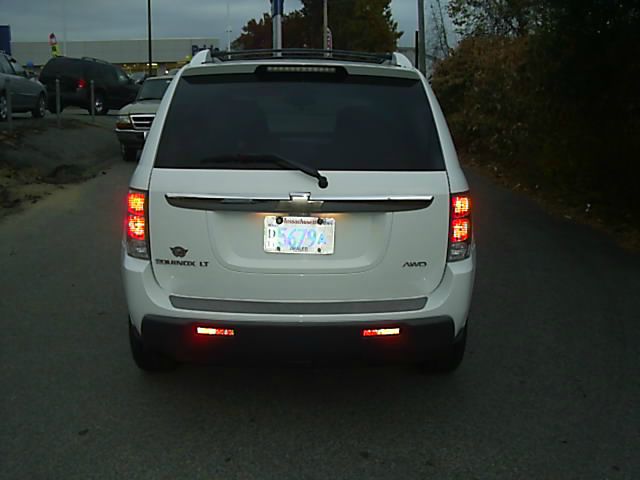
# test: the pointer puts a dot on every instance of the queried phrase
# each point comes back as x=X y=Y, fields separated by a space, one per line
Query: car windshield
x=325 y=122
x=153 y=89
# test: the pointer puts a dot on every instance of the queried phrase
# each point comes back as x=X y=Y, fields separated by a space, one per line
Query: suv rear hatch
x=232 y=219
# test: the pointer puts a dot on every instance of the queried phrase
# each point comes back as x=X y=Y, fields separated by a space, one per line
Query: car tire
x=146 y=359
x=3 y=108
x=448 y=359
x=41 y=107
x=100 y=103
x=129 y=154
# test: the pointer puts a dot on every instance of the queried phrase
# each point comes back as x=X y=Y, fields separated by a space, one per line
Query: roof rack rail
x=94 y=60
x=203 y=56
x=302 y=53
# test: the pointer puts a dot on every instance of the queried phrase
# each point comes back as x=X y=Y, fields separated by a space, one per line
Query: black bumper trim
x=293 y=341
x=299 y=308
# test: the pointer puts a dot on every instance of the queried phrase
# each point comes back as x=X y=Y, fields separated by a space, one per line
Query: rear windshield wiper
x=146 y=98
x=269 y=158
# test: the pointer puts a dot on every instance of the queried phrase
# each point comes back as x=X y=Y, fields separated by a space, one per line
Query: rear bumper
x=326 y=341
x=69 y=99
x=171 y=329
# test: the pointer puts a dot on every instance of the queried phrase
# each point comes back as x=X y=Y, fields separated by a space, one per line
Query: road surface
x=549 y=389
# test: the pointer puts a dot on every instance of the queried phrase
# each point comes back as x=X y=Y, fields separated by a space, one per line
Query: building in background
x=122 y=52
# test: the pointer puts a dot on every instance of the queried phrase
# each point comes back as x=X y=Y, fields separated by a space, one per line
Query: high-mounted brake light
x=300 y=69
x=460 y=227
x=380 y=332
x=137 y=240
x=82 y=83
x=220 y=332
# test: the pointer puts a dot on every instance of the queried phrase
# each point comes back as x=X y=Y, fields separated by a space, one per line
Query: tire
x=448 y=359
x=148 y=360
x=100 y=104
x=129 y=154
x=41 y=107
x=3 y=108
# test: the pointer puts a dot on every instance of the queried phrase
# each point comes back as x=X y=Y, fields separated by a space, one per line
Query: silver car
x=27 y=94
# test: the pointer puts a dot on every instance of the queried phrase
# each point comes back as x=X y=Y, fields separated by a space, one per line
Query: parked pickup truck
x=135 y=119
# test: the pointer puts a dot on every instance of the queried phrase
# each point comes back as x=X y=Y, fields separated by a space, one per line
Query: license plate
x=304 y=235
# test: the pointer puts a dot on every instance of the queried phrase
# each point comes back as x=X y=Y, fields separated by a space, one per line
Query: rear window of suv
x=329 y=122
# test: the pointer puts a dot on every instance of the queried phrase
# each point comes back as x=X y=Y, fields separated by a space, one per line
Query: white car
x=298 y=206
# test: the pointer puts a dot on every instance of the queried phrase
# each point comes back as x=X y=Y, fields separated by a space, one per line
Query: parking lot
x=548 y=390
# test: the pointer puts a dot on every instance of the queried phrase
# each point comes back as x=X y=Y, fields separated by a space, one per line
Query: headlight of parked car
x=123 y=122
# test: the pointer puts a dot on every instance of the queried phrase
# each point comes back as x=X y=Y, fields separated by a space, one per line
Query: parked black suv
x=113 y=87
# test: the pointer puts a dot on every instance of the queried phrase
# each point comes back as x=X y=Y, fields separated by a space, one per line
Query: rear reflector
x=222 y=332
x=82 y=83
x=380 y=332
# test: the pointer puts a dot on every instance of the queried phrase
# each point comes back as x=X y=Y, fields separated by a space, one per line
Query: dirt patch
x=37 y=158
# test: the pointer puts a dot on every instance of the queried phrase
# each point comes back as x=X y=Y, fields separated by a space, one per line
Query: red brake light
x=461 y=206
x=82 y=83
x=136 y=227
x=222 y=332
x=135 y=203
x=460 y=230
x=380 y=332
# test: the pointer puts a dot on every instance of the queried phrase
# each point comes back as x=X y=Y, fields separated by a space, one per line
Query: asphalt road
x=549 y=390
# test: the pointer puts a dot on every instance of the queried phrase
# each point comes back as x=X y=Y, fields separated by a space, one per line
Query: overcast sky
x=34 y=20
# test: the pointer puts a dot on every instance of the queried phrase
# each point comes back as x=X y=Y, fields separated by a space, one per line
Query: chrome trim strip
x=259 y=198
x=298 y=308
x=318 y=198
x=293 y=204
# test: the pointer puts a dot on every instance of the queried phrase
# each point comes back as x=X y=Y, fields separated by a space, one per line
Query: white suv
x=298 y=204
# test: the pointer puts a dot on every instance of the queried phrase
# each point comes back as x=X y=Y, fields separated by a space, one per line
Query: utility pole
x=149 y=30
x=64 y=28
x=421 y=59
x=325 y=26
x=228 y=26
x=278 y=7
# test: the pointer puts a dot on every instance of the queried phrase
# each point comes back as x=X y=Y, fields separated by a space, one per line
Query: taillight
x=460 y=227
x=137 y=237
x=82 y=83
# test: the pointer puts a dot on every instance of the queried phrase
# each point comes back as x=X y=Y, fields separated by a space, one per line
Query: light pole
x=64 y=28
x=325 y=26
x=149 y=31
x=228 y=26
x=421 y=53
x=278 y=7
